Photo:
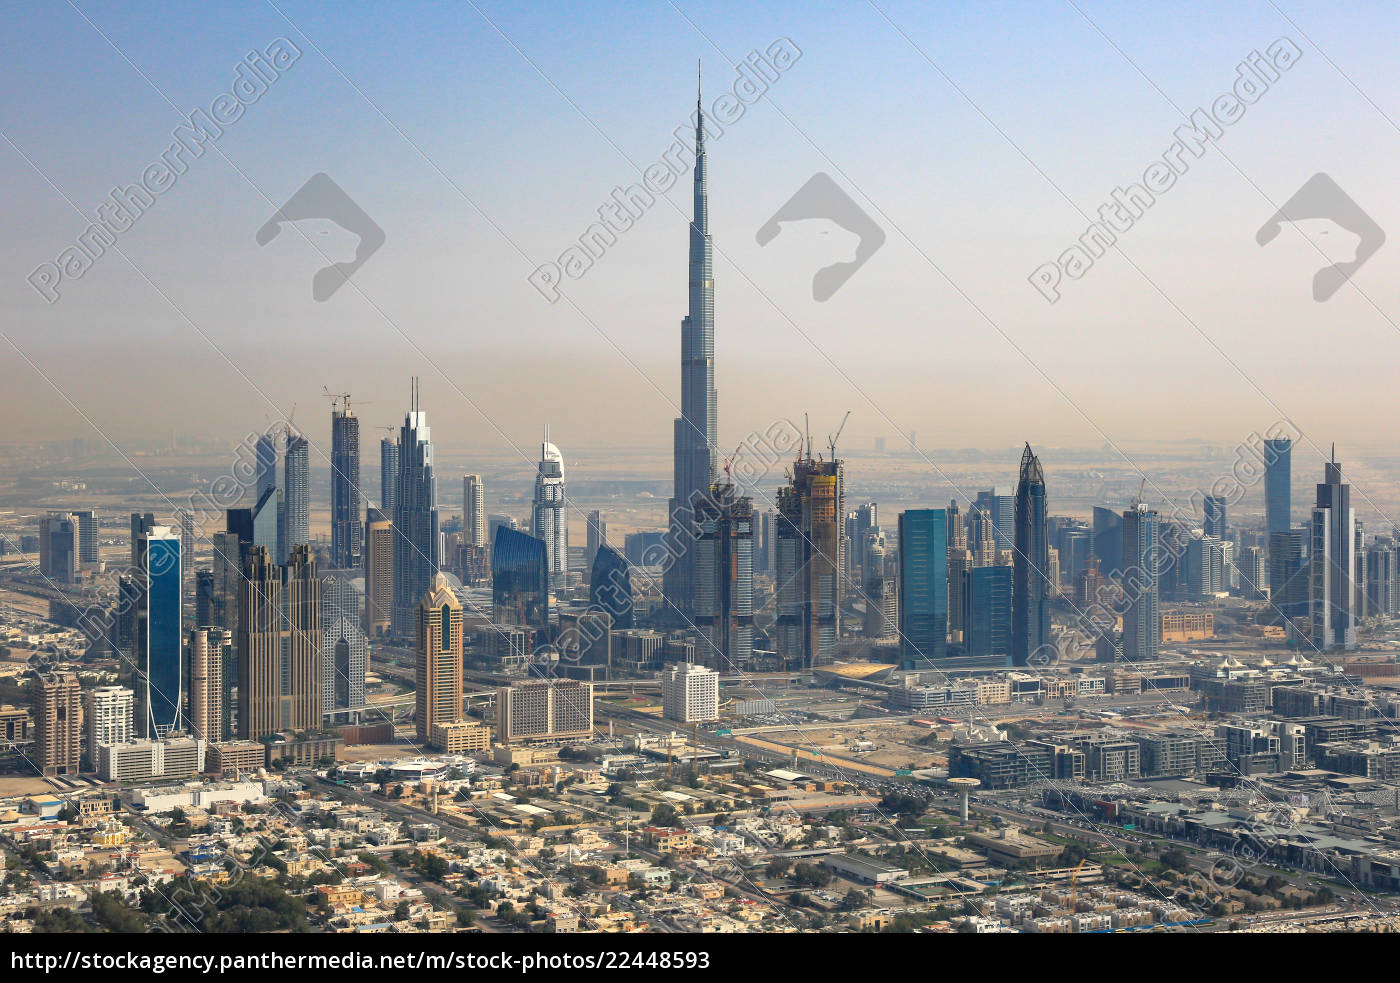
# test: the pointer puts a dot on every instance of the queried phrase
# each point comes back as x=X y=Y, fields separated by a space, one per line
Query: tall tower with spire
x=1030 y=585
x=695 y=430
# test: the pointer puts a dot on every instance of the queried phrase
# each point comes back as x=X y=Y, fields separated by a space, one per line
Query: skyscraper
x=696 y=429
x=597 y=536
x=160 y=682
x=1289 y=586
x=610 y=587
x=346 y=531
x=1142 y=628
x=1000 y=505
x=438 y=688
x=987 y=615
x=1278 y=485
x=89 y=549
x=807 y=574
x=1214 y=523
x=723 y=570
x=60 y=547
x=56 y=703
x=415 y=519
x=388 y=475
x=1332 y=562
x=1107 y=540
x=379 y=572
x=1030 y=593
x=111 y=717
x=208 y=655
x=343 y=646
x=923 y=587
x=549 y=519
x=279 y=645
x=474 y=511
x=294 y=528
x=519 y=579
x=266 y=463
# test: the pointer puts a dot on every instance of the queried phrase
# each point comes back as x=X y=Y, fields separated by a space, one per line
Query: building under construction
x=810 y=548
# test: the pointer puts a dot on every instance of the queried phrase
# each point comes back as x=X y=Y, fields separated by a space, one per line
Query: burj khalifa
x=695 y=430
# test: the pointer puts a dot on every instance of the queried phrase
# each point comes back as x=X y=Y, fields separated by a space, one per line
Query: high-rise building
x=1332 y=563
x=204 y=597
x=1289 y=587
x=415 y=519
x=111 y=717
x=1278 y=485
x=1107 y=540
x=227 y=572
x=266 y=463
x=209 y=656
x=986 y=617
x=346 y=532
x=981 y=538
x=159 y=669
x=807 y=576
x=56 y=705
x=89 y=548
x=689 y=693
x=923 y=587
x=696 y=430
x=1383 y=579
x=294 y=512
x=438 y=684
x=881 y=600
x=1031 y=583
x=344 y=651
x=549 y=519
x=1253 y=566
x=379 y=572
x=723 y=571
x=185 y=520
x=388 y=475
x=544 y=709
x=1203 y=567
x=1000 y=505
x=519 y=579
x=474 y=511
x=959 y=562
x=1214 y=523
x=597 y=536
x=610 y=588
x=60 y=547
x=1142 y=628
x=279 y=645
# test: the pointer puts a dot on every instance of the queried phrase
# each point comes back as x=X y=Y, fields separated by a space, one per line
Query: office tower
x=923 y=587
x=689 y=693
x=1289 y=587
x=1253 y=566
x=227 y=572
x=295 y=509
x=1278 y=485
x=110 y=718
x=1107 y=540
x=185 y=522
x=610 y=588
x=208 y=658
x=881 y=608
x=474 y=511
x=987 y=612
x=808 y=571
x=266 y=454
x=204 y=597
x=158 y=671
x=1142 y=629
x=415 y=519
x=1031 y=583
x=723 y=572
x=959 y=562
x=89 y=548
x=519 y=579
x=388 y=475
x=279 y=645
x=549 y=519
x=1382 y=579
x=1052 y=572
x=379 y=572
x=597 y=536
x=1214 y=523
x=344 y=651
x=696 y=430
x=867 y=518
x=438 y=679
x=60 y=547
x=1332 y=562
x=766 y=555
x=981 y=539
x=1203 y=567
x=346 y=532
x=1359 y=578
x=1000 y=505
x=141 y=523
x=1074 y=543
x=544 y=709
x=56 y=700
x=957 y=528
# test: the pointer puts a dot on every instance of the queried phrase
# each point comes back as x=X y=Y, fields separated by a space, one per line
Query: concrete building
x=690 y=693
x=58 y=716
x=544 y=709
x=143 y=761
x=439 y=671
x=111 y=717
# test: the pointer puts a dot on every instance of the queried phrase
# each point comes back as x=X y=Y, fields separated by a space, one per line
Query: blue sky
x=483 y=137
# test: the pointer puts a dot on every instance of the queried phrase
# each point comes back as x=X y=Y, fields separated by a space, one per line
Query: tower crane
x=831 y=441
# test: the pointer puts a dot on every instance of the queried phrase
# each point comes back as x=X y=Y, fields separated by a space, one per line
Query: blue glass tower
x=987 y=612
x=519 y=579
x=160 y=679
x=1030 y=613
x=923 y=586
x=1278 y=484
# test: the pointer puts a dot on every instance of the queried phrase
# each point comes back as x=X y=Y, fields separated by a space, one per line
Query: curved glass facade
x=610 y=587
x=520 y=579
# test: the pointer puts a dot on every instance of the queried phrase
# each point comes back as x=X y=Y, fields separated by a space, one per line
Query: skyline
x=883 y=372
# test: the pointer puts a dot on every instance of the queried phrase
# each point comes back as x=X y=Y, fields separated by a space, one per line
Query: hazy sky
x=482 y=137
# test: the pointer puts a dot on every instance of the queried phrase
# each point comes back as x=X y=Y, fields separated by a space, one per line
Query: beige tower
x=439 y=675
x=58 y=723
x=379 y=573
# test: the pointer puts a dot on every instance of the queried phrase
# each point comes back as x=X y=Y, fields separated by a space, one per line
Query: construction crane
x=340 y=402
x=831 y=441
x=1074 y=886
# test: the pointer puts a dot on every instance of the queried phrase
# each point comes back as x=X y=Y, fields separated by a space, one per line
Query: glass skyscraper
x=1142 y=629
x=415 y=519
x=295 y=510
x=550 y=519
x=519 y=579
x=923 y=586
x=1030 y=613
x=1332 y=562
x=987 y=611
x=388 y=475
x=610 y=587
x=160 y=679
x=347 y=533
x=1278 y=485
